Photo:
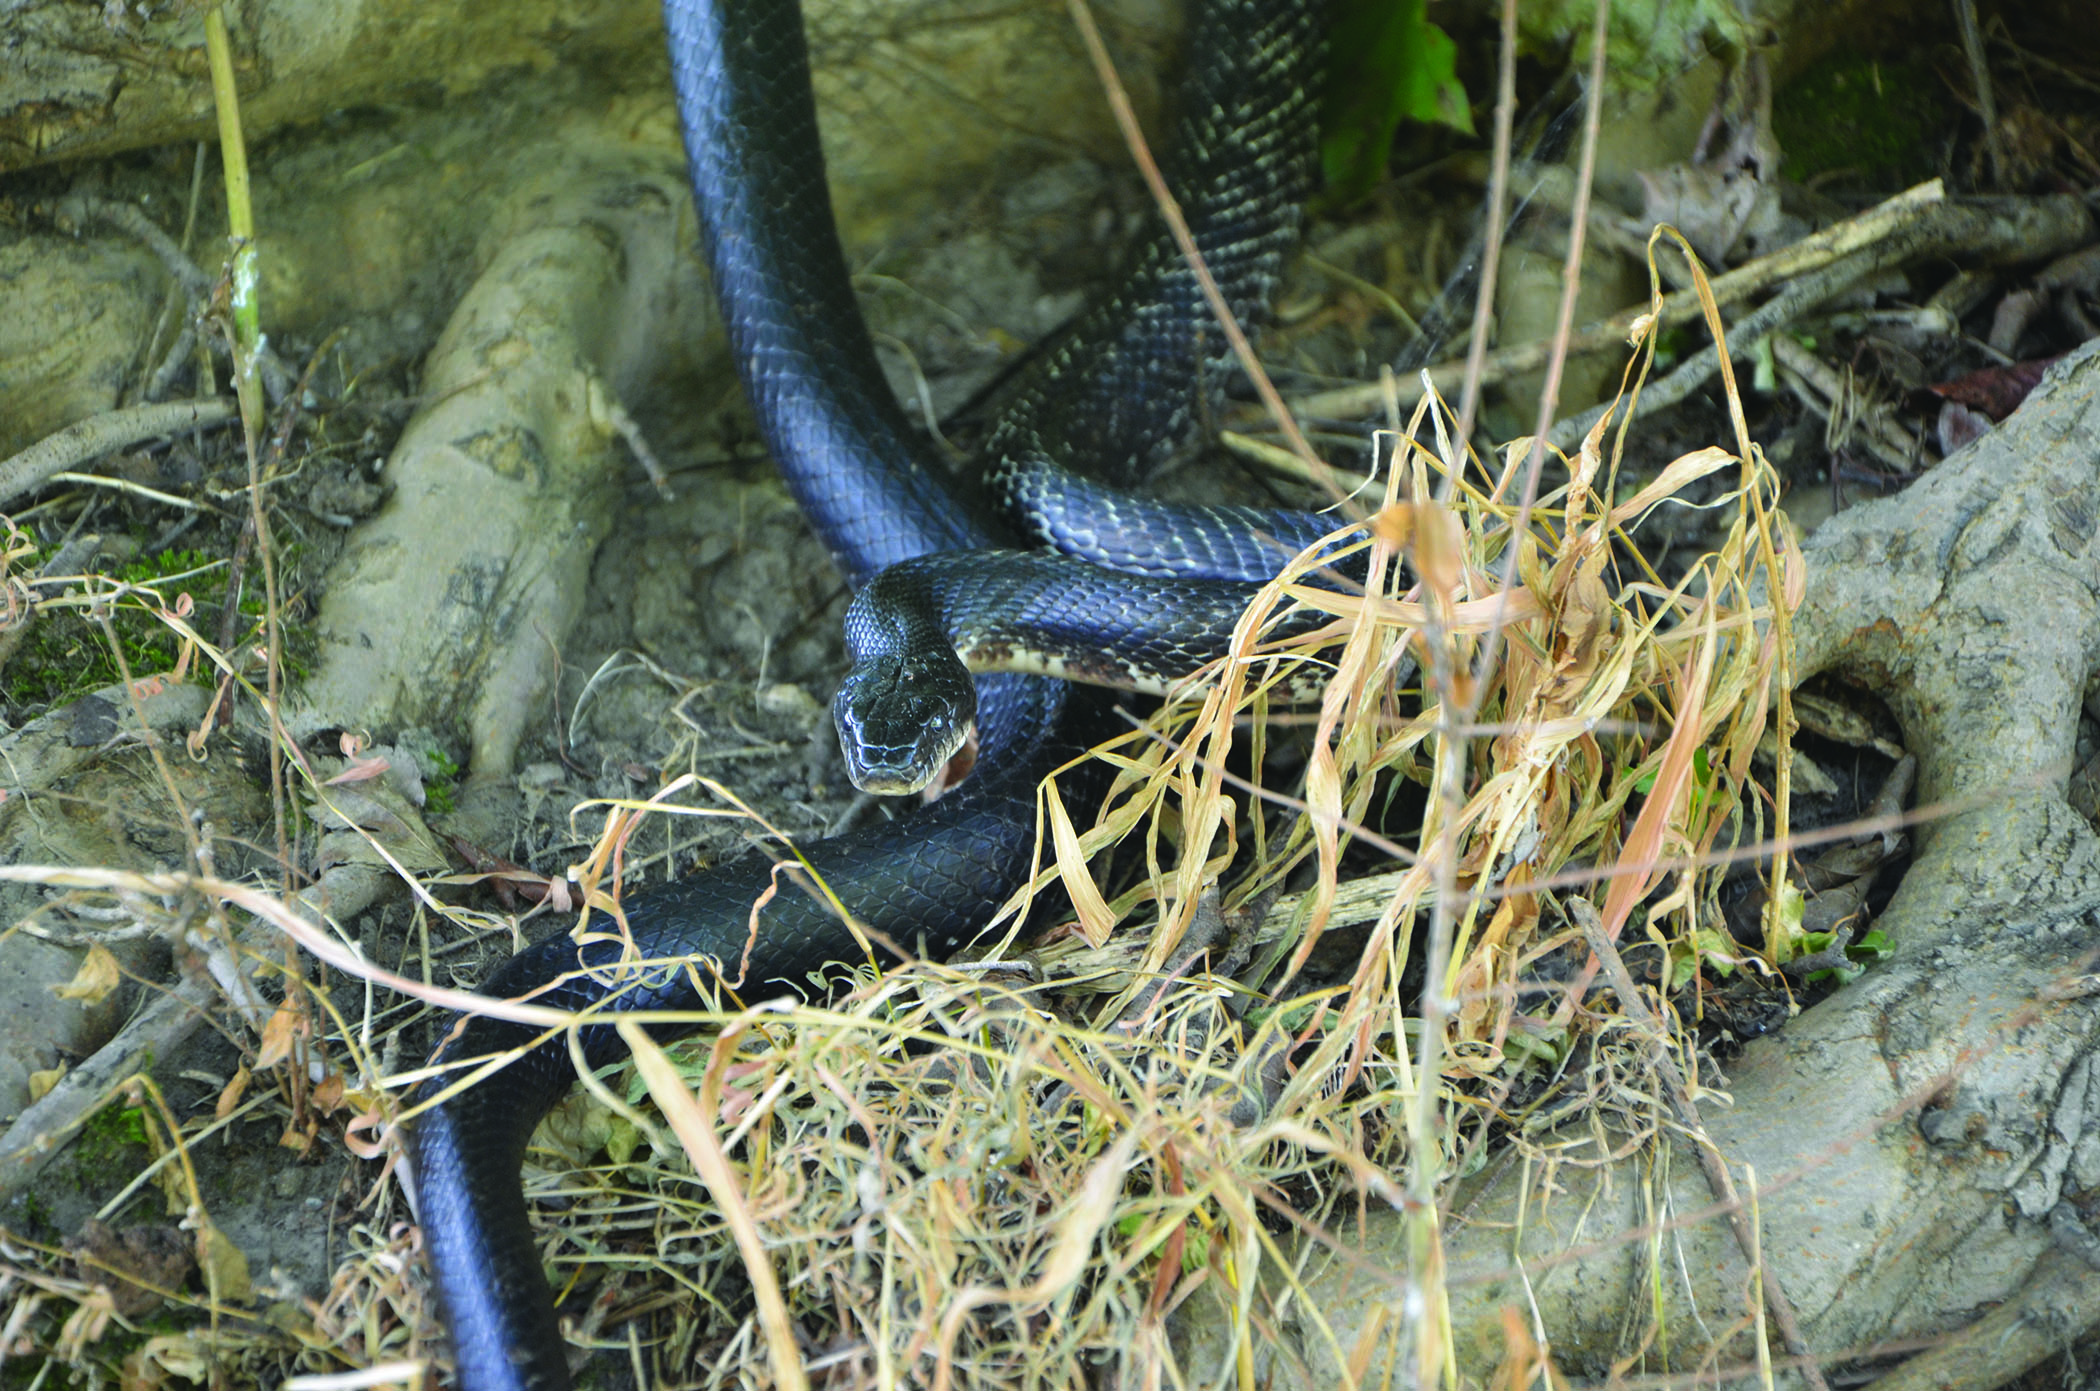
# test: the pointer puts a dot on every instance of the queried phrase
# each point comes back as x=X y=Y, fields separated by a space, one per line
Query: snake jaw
x=901 y=718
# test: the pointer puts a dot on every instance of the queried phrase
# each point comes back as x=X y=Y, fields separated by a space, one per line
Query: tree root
x=448 y=607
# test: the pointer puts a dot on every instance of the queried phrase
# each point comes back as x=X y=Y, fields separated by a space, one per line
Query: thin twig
x=1497 y=211
x=630 y=430
x=1557 y=360
x=1698 y=369
x=125 y=485
x=195 y=281
x=1980 y=75
x=1825 y=392
x=1285 y=464
x=89 y=439
x=1899 y=219
x=280 y=440
x=2025 y=230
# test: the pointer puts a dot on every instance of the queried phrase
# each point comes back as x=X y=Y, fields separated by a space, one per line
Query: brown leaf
x=360 y=770
x=1996 y=391
x=328 y=1092
x=284 y=1026
x=135 y=1264
x=96 y=977
x=1440 y=549
x=1586 y=617
x=230 y=1096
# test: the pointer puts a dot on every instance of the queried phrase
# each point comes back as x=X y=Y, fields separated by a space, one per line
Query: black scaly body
x=1142 y=368
x=859 y=473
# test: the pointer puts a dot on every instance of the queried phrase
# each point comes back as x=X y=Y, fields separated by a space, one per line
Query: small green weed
x=440 y=780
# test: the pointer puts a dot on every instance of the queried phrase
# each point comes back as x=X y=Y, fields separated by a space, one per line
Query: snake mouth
x=893 y=771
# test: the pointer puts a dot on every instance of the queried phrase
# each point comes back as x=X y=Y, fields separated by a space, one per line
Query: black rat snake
x=1122 y=388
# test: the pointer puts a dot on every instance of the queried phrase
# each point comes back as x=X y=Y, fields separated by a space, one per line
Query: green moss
x=33 y=1216
x=1648 y=43
x=111 y=1144
x=440 y=779
x=166 y=564
x=1870 y=119
x=67 y=654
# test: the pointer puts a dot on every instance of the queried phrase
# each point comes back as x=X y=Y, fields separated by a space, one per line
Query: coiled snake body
x=1122 y=389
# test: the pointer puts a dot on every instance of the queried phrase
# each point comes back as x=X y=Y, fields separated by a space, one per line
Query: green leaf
x=1783 y=920
x=1707 y=949
x=1873 y=945
x=1387 y=63
x=1702 y=775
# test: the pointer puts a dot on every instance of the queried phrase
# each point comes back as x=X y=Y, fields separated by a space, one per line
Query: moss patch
x=1875 y=121
x=67 y=653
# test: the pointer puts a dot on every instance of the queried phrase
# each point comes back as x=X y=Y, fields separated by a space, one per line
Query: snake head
x=901 y=718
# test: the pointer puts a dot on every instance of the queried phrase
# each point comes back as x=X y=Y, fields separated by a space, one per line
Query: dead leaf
x=230 y=1096
x=1960 y=426
x=1095 y=919
x=168 y=1354
x=41 y=1083
x=96 y=977
x=284 y=1026
x=328 y=1092
x=1995 y=391
x=224 y=1264
x=138 y=1265
x=1587 y=614
x=85 y=1325
x=1440 y=549
x=359 y=770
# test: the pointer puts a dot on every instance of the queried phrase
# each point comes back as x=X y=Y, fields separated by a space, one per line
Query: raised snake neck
x=740 y=68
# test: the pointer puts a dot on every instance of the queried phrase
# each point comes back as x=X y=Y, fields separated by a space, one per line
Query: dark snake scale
x=1121 y=391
